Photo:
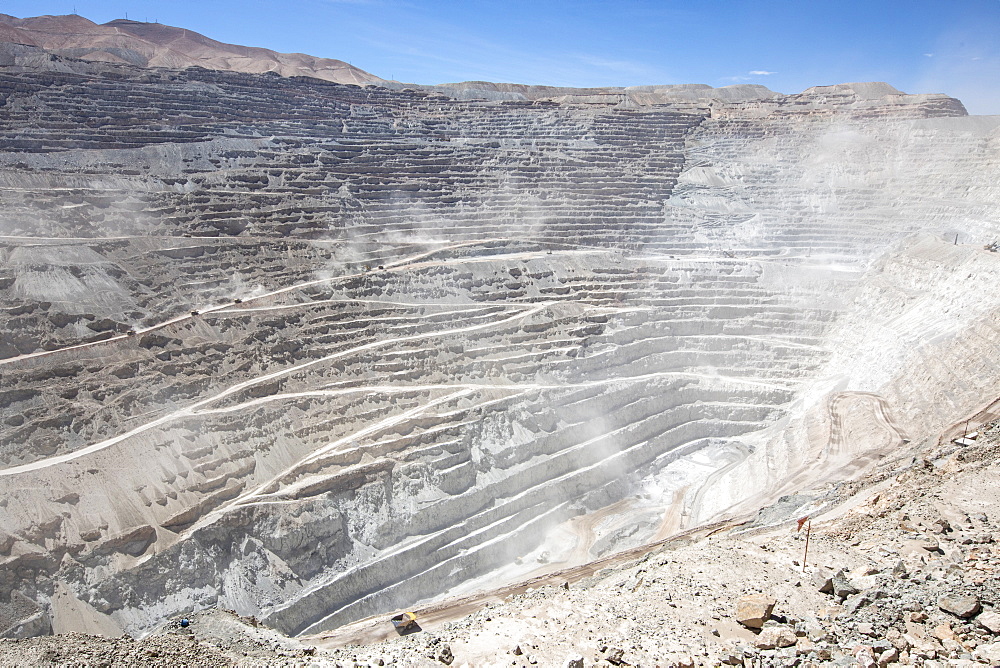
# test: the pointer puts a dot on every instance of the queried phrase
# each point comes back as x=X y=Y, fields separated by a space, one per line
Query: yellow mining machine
x=404 y=621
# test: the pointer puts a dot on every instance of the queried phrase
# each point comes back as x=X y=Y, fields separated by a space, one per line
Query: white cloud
x=749 y=76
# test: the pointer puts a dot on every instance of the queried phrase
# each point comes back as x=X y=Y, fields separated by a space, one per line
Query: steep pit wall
x=459 y=324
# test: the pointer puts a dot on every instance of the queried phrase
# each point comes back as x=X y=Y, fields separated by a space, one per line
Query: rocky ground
x=901 y=570
x=213 y=638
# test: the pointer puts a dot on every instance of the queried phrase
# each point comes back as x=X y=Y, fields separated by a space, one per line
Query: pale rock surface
x=155 y=45
x=989 y=620
x=989 y=652
x=753 y=610
x=316 y=352
x=773 y=637
x=960 y=606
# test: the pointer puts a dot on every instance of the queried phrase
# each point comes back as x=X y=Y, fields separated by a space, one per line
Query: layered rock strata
x=313 y=351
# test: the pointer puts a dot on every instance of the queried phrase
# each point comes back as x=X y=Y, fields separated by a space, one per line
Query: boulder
x=754 y=609
x=815 y=631
x=959 y=605
x=856 y=602
x=941 y=526
x=953 y=646
x=990 y=652
x=989 y=620
x=733 y=658
x=864 y=656
x=887 y=657
x=804 y=646
x=944 y=632
x=920 y=644
x=615 y=656
x=823 y=579
x=842 y=587
x=775 y=637
x=929 y=544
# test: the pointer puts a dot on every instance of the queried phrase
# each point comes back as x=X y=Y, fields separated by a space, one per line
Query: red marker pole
x=804 y=520
x=806 y=552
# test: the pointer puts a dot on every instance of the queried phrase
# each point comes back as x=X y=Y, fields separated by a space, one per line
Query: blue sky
x=919 y=46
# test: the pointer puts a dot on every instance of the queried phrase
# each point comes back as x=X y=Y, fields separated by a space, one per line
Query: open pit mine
x=313 y=351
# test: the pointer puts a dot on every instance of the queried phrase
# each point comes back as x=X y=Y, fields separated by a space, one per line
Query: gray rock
x=445 y=656
x=881 y=644
x=888 y=656
x=989 y=620
x=823 y=578
x=855 y=603
x=733 y=658
x=680 y=661
x=842 y=587
x=989 y=652
x=929 y=544
x=615 y=656
x=959 y=605
x=753 y=610
x=865 y=657
x=775 y=637
x=941 y=526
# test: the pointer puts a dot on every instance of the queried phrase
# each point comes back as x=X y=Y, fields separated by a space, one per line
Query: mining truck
x=404 y=621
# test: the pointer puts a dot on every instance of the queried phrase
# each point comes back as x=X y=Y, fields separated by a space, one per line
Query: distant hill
x=157 y=45
x=144 y=44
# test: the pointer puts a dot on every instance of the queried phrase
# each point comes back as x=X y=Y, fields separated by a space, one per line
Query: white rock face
x=313 y=352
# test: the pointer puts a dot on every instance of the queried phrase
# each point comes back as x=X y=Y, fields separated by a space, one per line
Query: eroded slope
x=429 y=333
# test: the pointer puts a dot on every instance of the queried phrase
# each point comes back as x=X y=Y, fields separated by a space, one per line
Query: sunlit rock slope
x=313 y=351
x=146 y=44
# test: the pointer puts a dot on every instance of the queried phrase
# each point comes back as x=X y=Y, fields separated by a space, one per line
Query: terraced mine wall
x=314 y=351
